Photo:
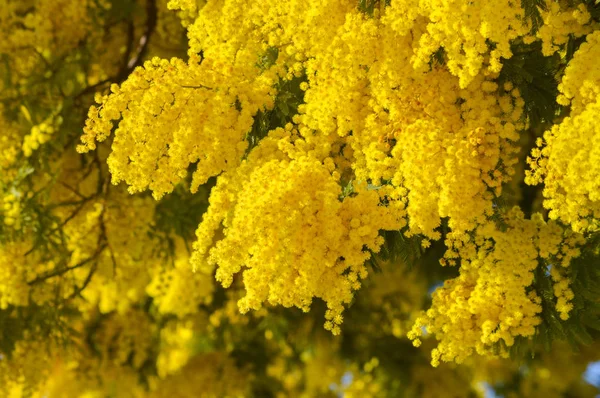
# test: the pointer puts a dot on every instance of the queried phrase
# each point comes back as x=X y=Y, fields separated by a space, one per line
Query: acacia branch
x=62 y=271
x=75 y=191
x=102 y=244
x=130 y=62
x=86 y=282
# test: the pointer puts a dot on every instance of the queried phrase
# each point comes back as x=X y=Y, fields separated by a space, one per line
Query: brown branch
x=130 y=62
x=67 y=203
x=86 y=282
x=122 y=70
x=196 y=86
x=102 y=244
x=70 y=217
x=110 y=249
x=113 y=259
x=76 y=192
x=62 y=271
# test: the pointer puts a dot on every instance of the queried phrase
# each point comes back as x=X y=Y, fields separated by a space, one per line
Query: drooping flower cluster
x=156 y=154
x=407 y=130
x=493 y=299
x=464 y=31
x=561 y=24
x=312 y=243
x=566 y=159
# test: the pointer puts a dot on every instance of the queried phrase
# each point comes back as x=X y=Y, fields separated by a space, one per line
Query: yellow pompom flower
x=492 y=299
x=565 y=159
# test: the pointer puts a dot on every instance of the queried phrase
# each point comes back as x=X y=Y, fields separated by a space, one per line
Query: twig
x=61 y=271
x=130 y=62
x=86 y=282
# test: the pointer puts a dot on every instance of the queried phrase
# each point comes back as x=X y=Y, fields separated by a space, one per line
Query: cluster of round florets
x=13 y=286
x=371 y=119
x=418 y=132
x=561 y=24
x=312 y=243
x=493 y=299
x=580 y=84
x=403 y=120
x=10 y=141
x=11 y=211
x=464 y=31
x=125 y=339
x=156 y=153
x=186 y=9
x=40 y=134
x=564 y=160
x=35 y=33
x=177 y=290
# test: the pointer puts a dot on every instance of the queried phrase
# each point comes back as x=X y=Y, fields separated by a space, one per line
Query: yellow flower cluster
x=392 y=298
x=25 y=363
x=403 y=126
x=559 y=25
x=13 y=289
x=186 y=9
x=176 y=347
x=480 y=153
x=9 y=148
x=312 y=244
x=464 y=30
x=565 y=159
x=492 y=299
x=177 y=290
x=580 y=84
x=210 y=375
x=11 y=211
x=40 y=134
x=161 y=132
x=380 y=118
x=419 y=132
x=33 y=32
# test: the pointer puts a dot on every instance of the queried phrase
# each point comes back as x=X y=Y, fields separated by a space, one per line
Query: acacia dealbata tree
x=299 y=198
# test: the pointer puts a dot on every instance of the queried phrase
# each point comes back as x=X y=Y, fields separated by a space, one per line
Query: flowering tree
x=299 y=198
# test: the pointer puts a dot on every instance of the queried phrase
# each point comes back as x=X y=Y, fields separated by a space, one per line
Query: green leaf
x=534 y=75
